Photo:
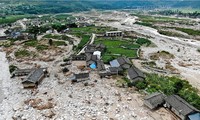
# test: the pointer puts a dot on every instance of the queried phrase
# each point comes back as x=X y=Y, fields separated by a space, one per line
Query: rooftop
x=134 y=72
x=180 y=105
x=35 y=75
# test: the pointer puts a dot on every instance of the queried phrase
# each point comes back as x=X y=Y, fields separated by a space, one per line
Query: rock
x=129 y=99
x=70 y=96
x=17 y=107
x=49 y=114
x=48 y=105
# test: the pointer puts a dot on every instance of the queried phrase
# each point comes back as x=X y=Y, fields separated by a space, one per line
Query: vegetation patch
x=143 y=41
x=198 y=50
x=32 y=43
x=92 y=29
x=59 y=37
x=145 y=24
x=84 y=40
x=170 y=85
x=22 y=53
x=59 y=43
x=42 y=47
x=13 y=18
x=12 y=68
x=189 y=31
x=161 y=54
x=168 y=33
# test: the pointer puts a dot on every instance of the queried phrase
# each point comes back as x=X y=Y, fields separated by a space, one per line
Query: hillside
x=60 y=6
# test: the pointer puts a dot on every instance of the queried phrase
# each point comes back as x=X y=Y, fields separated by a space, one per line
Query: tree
x=50 y=42
x=34 y=30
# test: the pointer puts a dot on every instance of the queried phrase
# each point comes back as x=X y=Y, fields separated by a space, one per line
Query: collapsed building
x=34 y=78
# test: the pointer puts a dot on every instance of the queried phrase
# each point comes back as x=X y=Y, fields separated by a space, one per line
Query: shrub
x=32 y=43
x=198 y=50
x=140 y=85
x=12 y=68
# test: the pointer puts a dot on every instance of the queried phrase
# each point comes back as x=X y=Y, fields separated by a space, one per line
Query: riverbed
x=4 y=73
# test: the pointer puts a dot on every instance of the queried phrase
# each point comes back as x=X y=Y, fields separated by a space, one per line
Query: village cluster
x=90 y=60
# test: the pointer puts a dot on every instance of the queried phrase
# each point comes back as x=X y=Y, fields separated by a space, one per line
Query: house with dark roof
x=181 y=108
x=34 y=78
x=154 y=100
x=103 y=74
x=134 y=74
x=81 y=57
x=100 y=65
x=3 y=37
x=91 y=48
x=80 y=77
x=90 y=59
x=122 y=62
x=115 y=70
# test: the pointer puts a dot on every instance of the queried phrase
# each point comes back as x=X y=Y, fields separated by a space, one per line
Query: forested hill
x=60 y=6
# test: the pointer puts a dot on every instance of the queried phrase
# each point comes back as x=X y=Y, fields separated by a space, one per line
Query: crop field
x=116 y=48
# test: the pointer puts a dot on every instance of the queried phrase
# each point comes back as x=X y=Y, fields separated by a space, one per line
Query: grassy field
x=14 y=18
x=116 y=48
x=84 y=40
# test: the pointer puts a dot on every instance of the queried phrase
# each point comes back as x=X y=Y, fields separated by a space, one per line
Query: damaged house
x=34 y=78
x=80 y=77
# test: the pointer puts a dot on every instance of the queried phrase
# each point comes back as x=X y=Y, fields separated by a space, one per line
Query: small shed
x=34 y=78
x=134 y=74
x=80 y=77
x=154 y=100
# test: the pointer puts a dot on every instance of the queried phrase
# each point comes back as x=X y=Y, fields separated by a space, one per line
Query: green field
x=14 y=18
x=84 y=40
x=116 y=48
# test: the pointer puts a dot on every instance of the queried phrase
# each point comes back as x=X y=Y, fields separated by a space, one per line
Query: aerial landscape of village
x=75 y=60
